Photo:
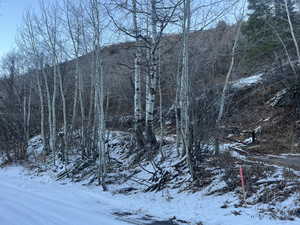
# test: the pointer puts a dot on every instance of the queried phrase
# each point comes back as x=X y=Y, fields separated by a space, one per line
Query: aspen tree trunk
x=161 y=122
x=75 y=100
x=292 y=30
x=222 y=102
x=39 y=65
x=92 y=94
x=27 y=116
x=25 y=129
x=28 y=113
x=150 y=100
x=53 y=110
x=82 y=108
x=95 y=117
x=178 y=105
x=137 y=80
x=285 y=49
x=101 y=127
x=186 y=92
x=24 y=117
x=42 y=110
x=65 y=126
x=79 y=41
x=77 y=34
x=93 y=106
x=49 y=109
x=99 y=93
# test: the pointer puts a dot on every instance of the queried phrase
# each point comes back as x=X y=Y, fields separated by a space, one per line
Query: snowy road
x=31 y=202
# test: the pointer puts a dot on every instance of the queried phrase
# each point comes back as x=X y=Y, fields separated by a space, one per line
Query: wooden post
x=243 y=182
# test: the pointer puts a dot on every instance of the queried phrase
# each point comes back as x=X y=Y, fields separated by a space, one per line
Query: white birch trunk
x=28 y=113
x=178 y=105
x=186 y=92
x=137 y=80
x=229 y=72
x=42 y=110
x=25 y=118
x=292 y=30
x=32 y=42
x=82 y=107
x=49 y=19
x=53 y=110
x=137 y=68
x=92 y=95
x=161 y=122
x=75 y=100
x=99 y=93
x=152 y=80
x=65 y=125
x=51 y=145
x=285 y=49
x=223 y=96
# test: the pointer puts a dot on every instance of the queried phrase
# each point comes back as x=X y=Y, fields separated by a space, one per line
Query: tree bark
x=292 y=30
x=222 y=101
x=137 y=81
x=152 y=85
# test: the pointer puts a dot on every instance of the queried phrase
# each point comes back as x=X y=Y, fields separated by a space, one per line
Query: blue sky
x=11 y=12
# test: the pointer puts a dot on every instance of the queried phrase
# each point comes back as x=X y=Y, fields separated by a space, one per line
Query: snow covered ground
x=26 y=201
x=30 y=200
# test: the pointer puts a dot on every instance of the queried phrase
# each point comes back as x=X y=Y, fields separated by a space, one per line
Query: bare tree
x=222 y=101
x=157 y=15
x=137 y=78
x=49 y=29
x=30 y=43
x=75 y=26
x=292 y=29
x=186 y=89
x=95 y=19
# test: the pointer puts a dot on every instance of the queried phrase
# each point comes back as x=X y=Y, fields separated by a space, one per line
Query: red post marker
x=242 y=176
x=243 y=182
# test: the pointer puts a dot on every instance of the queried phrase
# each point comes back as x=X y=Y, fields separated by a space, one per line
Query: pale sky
x=11 y=12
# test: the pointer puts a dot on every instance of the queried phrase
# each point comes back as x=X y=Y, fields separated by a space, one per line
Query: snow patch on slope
x=248 y=81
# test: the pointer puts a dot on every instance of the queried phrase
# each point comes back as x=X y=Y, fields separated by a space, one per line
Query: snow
x=28 y=199
x=38 y=201
x=31 y=200
x=248 y=81
x=278 y=96
x=35 y=145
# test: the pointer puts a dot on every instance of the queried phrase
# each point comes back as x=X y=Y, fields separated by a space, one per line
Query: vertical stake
x=243 y=182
